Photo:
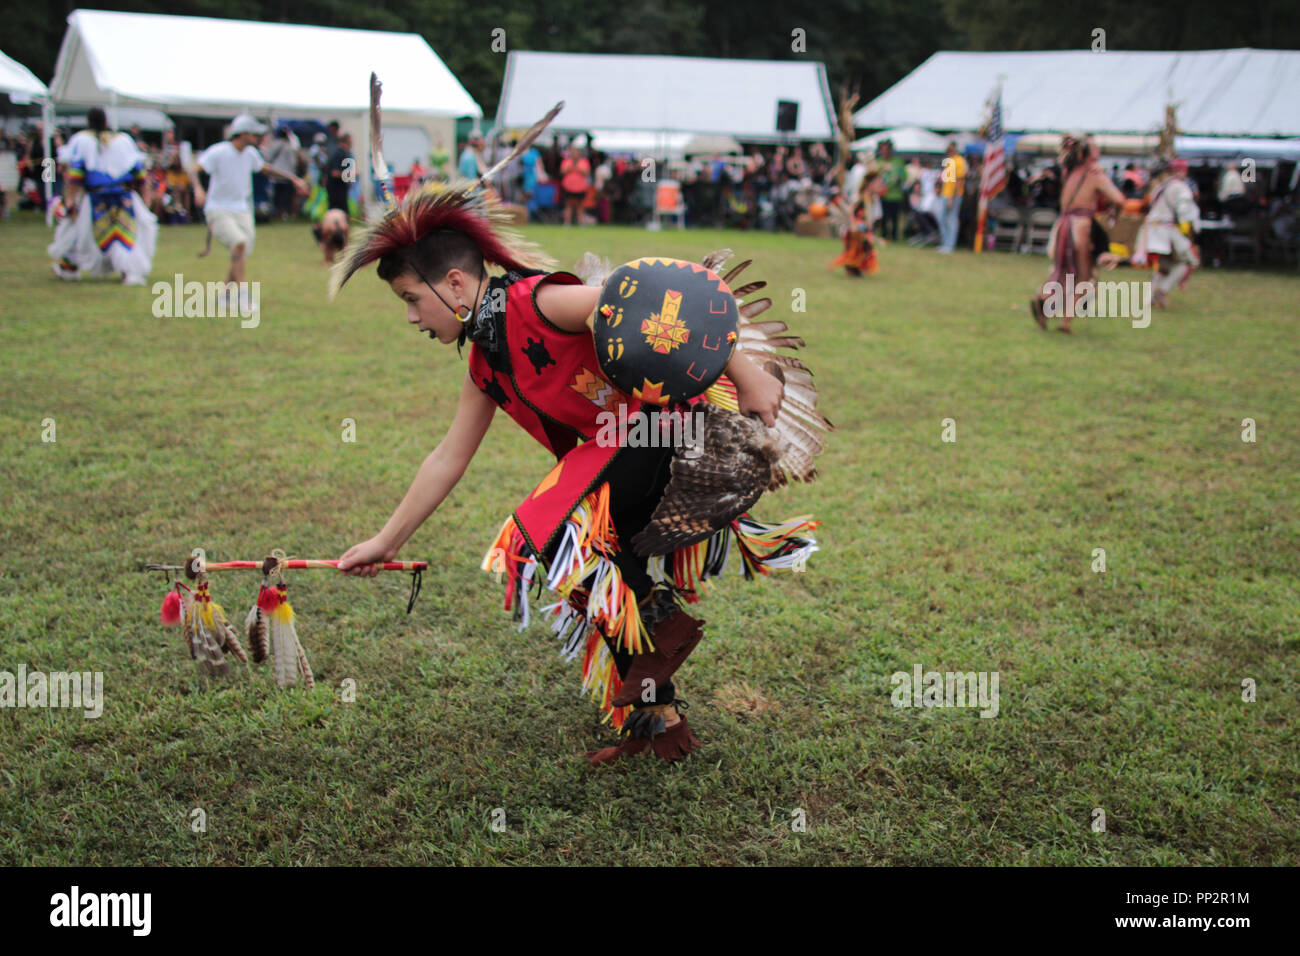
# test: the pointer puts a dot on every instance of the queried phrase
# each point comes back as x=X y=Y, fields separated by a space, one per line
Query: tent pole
x=659 y=171
x=112 y=109
x=47 y=181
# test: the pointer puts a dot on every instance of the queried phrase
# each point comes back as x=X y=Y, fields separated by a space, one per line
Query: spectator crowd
x=771 y=187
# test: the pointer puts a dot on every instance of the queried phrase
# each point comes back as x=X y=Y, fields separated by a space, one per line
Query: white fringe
x=525 y=582
x=569 y=557
x=796 y=558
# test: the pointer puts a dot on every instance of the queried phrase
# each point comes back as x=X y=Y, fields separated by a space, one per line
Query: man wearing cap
x=228 y=200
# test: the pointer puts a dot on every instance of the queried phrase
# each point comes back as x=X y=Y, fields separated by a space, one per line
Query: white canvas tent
x=199 y=66
x=127 y=116
x=1110 y=144
x=22 y=86
x=906 y=139
x=668 y=145
x=1188 y=147
x=17 y=79
x=1223 y=147
x=666 y=94
x=1244 y=92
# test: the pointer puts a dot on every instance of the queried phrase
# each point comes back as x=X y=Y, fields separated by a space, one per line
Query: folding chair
x=1008 y=227
x=669 y=202
x=1039 y=230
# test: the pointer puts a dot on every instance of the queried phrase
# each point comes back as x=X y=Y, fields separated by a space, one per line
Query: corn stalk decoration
x=269 y=625
x=1165 y=148
x=844 y=137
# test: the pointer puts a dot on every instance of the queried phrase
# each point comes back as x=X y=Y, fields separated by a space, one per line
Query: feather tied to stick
x=524 y=143
x=227 y=635
x=256 y=628
x=289 y=658
x=203 y=633
x=187 y=624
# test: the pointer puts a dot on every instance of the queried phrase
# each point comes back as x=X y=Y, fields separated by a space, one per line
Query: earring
x=463 y=317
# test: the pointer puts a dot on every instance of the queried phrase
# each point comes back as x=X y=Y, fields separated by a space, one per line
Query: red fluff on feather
x=171 y=609
x=267 y=599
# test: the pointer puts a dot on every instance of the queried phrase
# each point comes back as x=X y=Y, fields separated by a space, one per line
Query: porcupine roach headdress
x=465 y=208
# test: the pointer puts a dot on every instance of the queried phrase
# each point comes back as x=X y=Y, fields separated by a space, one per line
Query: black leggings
x=637 y=478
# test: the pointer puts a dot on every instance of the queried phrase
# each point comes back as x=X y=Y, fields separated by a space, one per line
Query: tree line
x=866 y=45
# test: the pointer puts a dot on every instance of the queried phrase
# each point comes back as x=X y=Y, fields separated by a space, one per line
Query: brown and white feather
x=255 y=629
x=801 y=430
x=706 y=493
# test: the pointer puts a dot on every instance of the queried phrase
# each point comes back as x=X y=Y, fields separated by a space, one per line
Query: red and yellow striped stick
x=301 y=563
x=288 y=565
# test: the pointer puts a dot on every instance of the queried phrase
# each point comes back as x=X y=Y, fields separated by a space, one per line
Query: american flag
x=994 y=177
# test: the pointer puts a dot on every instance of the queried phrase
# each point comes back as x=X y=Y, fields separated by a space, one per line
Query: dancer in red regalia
x=1086 y=187
x=639 y=508
x=859 y=255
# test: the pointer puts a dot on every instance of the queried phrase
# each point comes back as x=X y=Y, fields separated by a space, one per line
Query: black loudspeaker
x=787 y=116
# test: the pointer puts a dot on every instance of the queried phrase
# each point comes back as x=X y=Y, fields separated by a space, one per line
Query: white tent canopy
x=670 y=145
x=22 y=87
x=200 y=66
x=1194 y=147
x=906 y=139
x=1217 y=92
x=16 y=78
x=1188 y=147
x=127 y=116
x=681 y=94
x=1110 y=144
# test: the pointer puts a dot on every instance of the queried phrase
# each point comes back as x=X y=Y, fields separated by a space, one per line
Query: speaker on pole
x=787 y=116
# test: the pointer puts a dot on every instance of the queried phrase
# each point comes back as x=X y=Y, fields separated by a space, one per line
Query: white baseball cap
x=243 y=123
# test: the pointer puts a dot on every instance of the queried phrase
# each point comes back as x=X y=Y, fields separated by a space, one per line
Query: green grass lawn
x=1119 y=690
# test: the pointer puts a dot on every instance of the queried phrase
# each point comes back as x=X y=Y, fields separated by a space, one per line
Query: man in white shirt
x=228 y=200
x=1173 y=215
x=853 y=180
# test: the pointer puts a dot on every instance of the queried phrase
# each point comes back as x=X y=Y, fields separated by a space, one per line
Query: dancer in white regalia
x=1173 y=215
x=108 y=230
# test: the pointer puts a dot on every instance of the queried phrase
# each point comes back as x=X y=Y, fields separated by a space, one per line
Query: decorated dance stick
x=289 y=564
x=269 y=625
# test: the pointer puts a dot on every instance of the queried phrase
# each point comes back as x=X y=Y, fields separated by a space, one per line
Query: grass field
x=1119 y=690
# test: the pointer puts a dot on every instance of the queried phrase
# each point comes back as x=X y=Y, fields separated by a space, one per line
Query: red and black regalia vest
x=548 y=380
